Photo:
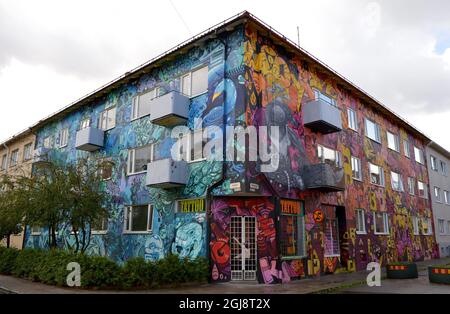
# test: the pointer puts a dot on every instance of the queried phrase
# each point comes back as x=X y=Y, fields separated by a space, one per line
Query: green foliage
x=97 y=272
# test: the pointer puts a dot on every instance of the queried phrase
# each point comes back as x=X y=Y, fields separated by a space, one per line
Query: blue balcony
x=170 y=109
x=40 y=155
x=89 y=139
x=166 y=173
x=322 y=117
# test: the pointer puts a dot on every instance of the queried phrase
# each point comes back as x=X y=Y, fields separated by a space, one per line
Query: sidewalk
x=323 y=284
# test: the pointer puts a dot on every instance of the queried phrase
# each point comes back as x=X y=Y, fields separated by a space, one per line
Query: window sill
x=381 y=233
x=99 y=232
x=136 y=232
x=378 y=185
x=136 y=173
x=356 y=179
x=197 y=160
x=373 y=140
x=391 y=149
x=331 y=255
x=288 y=258
x=361 y=232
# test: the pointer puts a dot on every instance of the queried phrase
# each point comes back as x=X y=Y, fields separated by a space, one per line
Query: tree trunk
x=8 y=241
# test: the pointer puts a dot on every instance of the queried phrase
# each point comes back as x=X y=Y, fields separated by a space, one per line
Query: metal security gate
x=243 y=247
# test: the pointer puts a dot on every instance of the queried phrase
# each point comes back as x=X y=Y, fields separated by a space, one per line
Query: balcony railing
x=170 y=109
x=89 y=139
x=324 y=176
x=40 y=155
x=166 y=173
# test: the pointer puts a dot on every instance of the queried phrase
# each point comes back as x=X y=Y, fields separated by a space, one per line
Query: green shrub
x=50 y=267
x=8 y=258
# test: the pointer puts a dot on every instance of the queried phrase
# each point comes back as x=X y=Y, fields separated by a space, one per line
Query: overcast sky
x=54 y=52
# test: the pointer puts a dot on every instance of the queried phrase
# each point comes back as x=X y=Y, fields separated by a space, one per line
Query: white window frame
x=352 y=119
x=415 y=223
x=131 y=160
x=443 y=166
x=420 y=152
x=377 y=130
x=425 y=189
x=35 y=233
x=189 y=75
x=446 y=197
x=155 y=92
x=385 y=223
x=64 y=138
x=427 y=221
x=396 y=147
x=14 y=158
x=101 y=170
x=441 y=226
x=337 y=155
x=433 y=163
x=128 y=210
x=437 y=194
x=319 y=95
x=382 y=177
x=357 y=161
x=28 y=152
x=411 y=184
x=360 y=221
x=406 y=149
x=104 y=115
x=47 y=143
x=104 y=231
x=85 y=123
x=400 y=179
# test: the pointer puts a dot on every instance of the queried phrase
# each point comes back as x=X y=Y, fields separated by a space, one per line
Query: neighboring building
x=438 y=163
x=351 y=184
x=16 y=156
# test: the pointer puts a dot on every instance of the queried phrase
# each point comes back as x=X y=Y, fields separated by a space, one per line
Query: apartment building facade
x=16 y=156
x=438 y=161
x=350 y=187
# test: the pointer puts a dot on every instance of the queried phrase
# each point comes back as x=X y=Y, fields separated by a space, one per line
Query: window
x=418 y=155
x=415 y=222
x=426 y=226
x=85 y=123
x=28 y=152
x=48 y=142
x=396 y=181
x=433 y=161
x=195 y=146
x=138 y=158
x=331 y=238
x=360 y=221
x=422 y=189
x=101 y=226
x=376 y=174
x=195 y=82
x=446 y=197
x=138 y=218
x=406 y=149
x=352 y=120
x=4 y=160
x=356 y=169
x=292 y=219
x=139 y=100
x=393 y=142
x=328 y=155
x=14 y=158
x=381 y=223
x=35 y=230
x=411 y=184
x=64 y=137
x=443 y=167
x=441 y=226
x=437 y=194
x=318 y=95
x=373 y=131
x=108 y=119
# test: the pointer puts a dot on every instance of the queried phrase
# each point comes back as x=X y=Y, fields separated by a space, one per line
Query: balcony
x=170 y=109
x=166 y=173
x=324 y=177
x=40 y=155
x=322 y=117
x=89 y=139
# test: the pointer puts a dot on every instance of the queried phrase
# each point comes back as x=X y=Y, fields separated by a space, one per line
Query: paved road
x=420 y=285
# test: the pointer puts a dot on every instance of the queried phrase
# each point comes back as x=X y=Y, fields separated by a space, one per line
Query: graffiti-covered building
x=344 y=189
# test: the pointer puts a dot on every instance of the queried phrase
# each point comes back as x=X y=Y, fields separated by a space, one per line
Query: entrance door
x=243 y=247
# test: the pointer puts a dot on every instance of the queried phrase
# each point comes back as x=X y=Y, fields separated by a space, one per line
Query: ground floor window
x=381 y=223
x=292 y=237
x=360 y=221
x=138 y=218
x=331 y=238
x=426 y=226
x=100 y=226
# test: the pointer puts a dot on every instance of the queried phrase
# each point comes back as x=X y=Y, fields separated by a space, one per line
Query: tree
x=11 y=217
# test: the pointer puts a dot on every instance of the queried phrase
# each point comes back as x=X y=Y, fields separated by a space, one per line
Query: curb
x=7 y=290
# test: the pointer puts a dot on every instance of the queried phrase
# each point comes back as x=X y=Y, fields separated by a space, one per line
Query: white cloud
x=60 y=50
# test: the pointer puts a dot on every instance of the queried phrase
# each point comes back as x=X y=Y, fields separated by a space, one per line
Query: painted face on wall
x=154 y=249
x=188 y=241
